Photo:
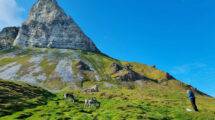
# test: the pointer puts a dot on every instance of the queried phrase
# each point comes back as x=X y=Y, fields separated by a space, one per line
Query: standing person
x=192 y=99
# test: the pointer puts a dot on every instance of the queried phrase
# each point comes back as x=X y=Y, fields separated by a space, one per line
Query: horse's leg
x=89 y=104
x=98 y=103
x=85 y=105
x=94 y=104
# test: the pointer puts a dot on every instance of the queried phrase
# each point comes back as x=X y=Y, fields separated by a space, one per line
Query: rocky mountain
x=57 y=69
x=52 y=56
x=48 y=26
x=65 y=69
x=7 y=36
x=53 y=52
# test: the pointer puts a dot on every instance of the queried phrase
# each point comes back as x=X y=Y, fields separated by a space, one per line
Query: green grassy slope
x=123 y=104
x=156 y=96
x=49 y=59
x=16 y=96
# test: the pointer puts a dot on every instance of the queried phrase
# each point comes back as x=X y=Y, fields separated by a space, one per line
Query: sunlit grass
x=120 y=104
x=154 y=98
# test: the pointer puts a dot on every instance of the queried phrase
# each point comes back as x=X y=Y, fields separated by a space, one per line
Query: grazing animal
x=95 y=88
x=70 y=96
x=93 y=101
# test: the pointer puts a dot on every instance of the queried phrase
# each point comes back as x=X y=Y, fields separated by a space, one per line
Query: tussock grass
x=120 y=104
x=16 y=96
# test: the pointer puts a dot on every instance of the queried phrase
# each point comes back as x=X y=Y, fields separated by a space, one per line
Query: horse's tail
x=99 y=103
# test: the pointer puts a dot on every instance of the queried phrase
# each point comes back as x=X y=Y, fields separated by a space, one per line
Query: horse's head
x=93 y=98
x=96 y=86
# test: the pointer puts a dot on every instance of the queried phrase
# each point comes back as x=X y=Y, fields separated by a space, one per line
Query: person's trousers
x=193 y=102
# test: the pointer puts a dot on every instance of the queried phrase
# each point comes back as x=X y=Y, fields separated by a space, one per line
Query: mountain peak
x=46 y=11
x=48 y=26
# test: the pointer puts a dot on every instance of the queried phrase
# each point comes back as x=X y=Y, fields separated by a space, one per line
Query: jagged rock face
x=123 y=73
x=9 y=33
x=7 y=36
x=49 y=26
x=127 y=75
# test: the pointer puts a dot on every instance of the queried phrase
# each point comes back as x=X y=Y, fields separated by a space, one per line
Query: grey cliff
x=49 y=27
x=7 y=36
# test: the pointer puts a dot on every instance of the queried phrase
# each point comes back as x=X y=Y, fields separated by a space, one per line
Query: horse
x=95 y=88
x=70 y=96
x=93 y=101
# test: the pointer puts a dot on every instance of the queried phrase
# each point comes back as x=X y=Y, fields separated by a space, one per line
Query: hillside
x=63 y=69
x=116 y=104
x=16 y=96
x=49 y=55
x=132 y=90
x=52 y=53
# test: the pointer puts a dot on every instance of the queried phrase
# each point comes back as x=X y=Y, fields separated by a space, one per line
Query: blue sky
x=178 y=36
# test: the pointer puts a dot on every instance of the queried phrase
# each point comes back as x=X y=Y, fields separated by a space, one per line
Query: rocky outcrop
x=169 y=77
x=115 y=68
x=123 y=73
x=154 y=66
x=9 y=33
x=81 y=66
x=127 y=75
x=48 y=26
x=7 y=36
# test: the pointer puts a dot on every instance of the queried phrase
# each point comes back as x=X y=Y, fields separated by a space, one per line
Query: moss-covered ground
x=116 y=104
x=17 y=96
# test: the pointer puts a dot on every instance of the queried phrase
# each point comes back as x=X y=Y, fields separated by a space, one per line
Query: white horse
x=95 y=88
x=93 y=101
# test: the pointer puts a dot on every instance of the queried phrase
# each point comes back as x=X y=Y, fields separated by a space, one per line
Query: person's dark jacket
x=191 y=95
